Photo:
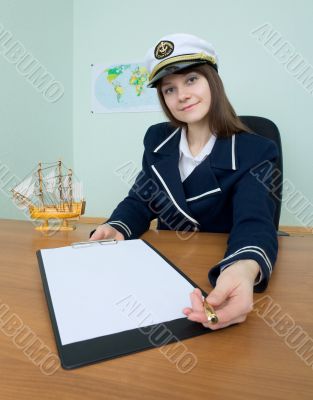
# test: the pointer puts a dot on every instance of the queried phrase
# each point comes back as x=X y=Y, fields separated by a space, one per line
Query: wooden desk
x=246 y=361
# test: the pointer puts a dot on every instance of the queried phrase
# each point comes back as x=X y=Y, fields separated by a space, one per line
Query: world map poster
x=122 y=88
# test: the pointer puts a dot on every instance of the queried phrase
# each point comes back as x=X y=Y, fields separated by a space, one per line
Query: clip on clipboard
x=109 y=301
x=77 y=245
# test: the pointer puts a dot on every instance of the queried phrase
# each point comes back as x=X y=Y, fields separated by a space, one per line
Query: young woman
x=200 y=173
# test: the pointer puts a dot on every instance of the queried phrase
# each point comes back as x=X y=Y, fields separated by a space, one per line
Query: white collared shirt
x=187 y=162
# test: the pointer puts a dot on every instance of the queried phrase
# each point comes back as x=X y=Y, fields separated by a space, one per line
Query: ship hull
x=64 y=212
x=58 y=211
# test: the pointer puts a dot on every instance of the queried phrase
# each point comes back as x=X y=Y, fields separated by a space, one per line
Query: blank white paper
x=99 y=290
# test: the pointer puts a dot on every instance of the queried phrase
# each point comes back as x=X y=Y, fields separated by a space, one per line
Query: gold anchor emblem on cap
x=163 y=49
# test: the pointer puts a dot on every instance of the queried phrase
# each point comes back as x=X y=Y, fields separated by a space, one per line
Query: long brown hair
x=222 y=117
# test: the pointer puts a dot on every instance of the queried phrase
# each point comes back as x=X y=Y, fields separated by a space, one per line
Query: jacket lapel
x=202 y=182
x=165 y=167
x=224 y=154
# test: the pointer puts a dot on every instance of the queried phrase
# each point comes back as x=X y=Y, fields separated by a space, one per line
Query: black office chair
x=265 y=127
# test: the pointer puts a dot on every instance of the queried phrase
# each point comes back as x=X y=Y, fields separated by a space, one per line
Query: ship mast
x=60 y=182
x=70 y=173
x=40 y=184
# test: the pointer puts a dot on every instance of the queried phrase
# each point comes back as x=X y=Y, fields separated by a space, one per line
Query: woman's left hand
x=232 y=297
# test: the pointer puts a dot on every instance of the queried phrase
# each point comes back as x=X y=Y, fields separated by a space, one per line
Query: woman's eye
x=168 y=90
x=192 y=79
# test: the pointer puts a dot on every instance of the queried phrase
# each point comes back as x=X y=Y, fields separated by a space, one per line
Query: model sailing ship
x=50 y=192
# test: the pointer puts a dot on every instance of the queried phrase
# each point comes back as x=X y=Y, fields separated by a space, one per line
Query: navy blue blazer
x=220 y=195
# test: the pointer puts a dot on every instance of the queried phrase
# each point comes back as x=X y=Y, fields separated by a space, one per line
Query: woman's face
x=187 y=96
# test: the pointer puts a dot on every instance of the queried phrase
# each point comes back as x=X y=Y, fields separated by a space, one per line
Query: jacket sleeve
x=253 y=235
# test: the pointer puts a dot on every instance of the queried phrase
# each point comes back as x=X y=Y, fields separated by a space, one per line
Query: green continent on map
x=138 y=79
x=113 y=73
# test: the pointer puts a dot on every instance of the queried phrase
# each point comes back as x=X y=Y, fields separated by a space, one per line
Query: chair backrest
x=265 y=127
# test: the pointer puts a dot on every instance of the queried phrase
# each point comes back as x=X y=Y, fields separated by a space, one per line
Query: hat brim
x=173 y=68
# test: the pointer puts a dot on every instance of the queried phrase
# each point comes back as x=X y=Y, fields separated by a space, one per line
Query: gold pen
x=209 y=312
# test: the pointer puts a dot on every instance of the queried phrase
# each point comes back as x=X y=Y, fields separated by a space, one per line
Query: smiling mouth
x=189 y=107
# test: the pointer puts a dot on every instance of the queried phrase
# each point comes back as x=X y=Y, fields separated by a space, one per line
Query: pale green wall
x=31 y=128
x=257 y=84
x=108 y=32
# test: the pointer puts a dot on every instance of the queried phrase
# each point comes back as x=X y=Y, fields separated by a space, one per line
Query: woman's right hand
x=106 y=231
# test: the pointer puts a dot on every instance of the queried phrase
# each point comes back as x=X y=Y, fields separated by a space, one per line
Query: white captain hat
x=175 y=52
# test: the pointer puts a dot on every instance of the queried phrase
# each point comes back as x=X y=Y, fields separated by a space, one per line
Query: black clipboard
x=103 y=348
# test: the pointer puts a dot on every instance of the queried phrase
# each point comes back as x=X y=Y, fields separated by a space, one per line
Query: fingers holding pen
x=197 y=312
